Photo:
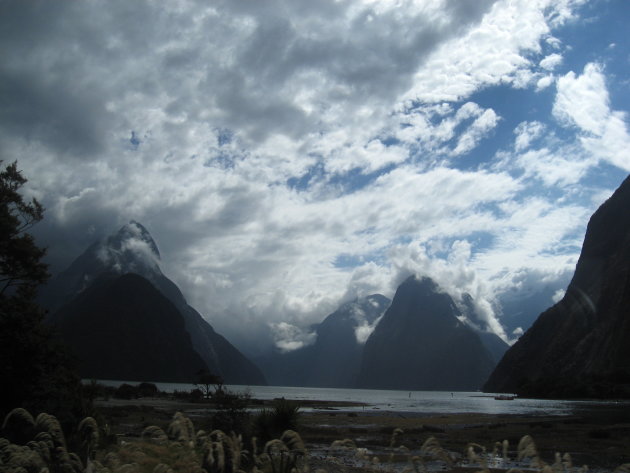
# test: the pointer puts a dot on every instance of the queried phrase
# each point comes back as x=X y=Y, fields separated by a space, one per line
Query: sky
x=291 y=155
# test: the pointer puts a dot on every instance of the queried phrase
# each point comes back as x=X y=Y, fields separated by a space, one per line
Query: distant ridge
x=579 y=347
x=334 y=359
x=133 y=250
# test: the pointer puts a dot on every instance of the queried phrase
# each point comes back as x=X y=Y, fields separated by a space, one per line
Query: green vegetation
x=29 y=444
x=208 y=383
x=95 y=390
x=36 y=372
x=271 y=423
x=36 y=445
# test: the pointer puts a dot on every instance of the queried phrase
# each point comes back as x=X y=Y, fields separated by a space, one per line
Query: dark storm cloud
x=62 y=82
x=48 y=110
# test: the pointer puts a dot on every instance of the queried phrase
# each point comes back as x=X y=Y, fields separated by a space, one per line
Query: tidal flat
x=341 y=438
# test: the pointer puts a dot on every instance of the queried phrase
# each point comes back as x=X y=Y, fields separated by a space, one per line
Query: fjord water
x=420 y=402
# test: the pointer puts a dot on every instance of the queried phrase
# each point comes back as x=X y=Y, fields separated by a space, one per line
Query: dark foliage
x=21 y=269
x=95 y=390
x=126 y=391
x=148 y=390
x=231 y=411
x=270 y=423
x=36 y=372
x=208 y=383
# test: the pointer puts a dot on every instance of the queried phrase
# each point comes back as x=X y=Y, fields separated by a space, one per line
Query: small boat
x=504 y=397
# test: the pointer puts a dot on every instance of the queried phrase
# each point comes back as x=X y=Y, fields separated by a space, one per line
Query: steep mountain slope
x=420 y=344
x=495 y=345
x=133 y=250
x=335 y=357
x=121 y=327
x=579 y=347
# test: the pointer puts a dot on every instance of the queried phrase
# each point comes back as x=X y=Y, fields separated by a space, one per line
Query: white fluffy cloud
x=583 y=101
x=551 y=61
x=288 y=337
x=526 y=133
x=292 y=155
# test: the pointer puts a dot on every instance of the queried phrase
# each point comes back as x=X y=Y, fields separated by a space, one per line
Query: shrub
x=284 y=415
x=126 y=391
x=232 y=414
x=147 y=390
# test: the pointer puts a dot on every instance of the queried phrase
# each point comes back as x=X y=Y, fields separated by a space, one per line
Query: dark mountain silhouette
x=522 y=305
x=494 y=344
x=420 y=344
x=121 y=327
x=133 y=250
x=579 y=347
x=335 y=357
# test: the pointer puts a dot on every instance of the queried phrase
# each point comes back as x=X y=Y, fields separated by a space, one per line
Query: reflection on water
x=435 y=402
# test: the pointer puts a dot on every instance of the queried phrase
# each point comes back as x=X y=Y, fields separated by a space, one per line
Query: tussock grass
x=345 y=443
x=38 y=445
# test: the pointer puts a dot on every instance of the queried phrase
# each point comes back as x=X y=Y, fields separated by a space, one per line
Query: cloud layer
x=291 y=156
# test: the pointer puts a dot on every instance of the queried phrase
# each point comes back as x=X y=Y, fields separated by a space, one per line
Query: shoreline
x=601 y=442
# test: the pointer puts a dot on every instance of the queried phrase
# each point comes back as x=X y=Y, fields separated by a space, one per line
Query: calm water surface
x=434 y=402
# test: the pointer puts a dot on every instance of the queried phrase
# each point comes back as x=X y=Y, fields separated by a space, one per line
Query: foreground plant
x=284 y=455
x=38 y=445
x=44 y=450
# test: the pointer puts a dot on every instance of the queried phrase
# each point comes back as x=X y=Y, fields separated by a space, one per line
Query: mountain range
x=334 y=359
x=579 y=347
x=420 y=340
x=75 y=299
x=126 y=320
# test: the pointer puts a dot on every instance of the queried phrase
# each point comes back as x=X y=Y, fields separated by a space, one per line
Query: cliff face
x=122 y=328
x=579 y=347
x=421 y=344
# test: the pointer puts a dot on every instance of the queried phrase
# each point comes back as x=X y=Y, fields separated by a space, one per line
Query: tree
x=21 y=268
x=35 y=371
x=208 y=383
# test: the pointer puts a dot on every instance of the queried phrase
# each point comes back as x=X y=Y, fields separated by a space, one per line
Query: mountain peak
x=130 y=250
x=133 y=235
x=420 y=285
x=420 y=343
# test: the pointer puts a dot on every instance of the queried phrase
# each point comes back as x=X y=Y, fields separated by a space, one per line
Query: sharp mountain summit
x=77 y=294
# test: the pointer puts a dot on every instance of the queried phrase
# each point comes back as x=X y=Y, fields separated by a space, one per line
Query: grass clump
x=37 y=445
x=271 y=423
